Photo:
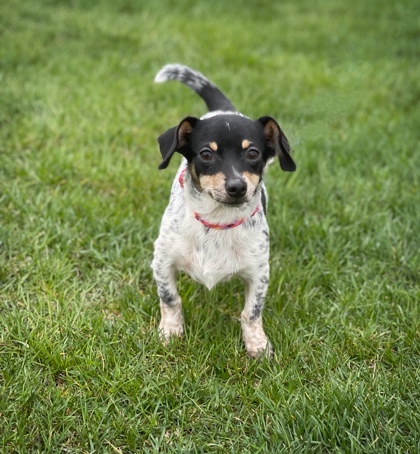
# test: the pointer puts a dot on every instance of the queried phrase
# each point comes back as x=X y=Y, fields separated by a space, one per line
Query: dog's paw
x=172 y=321
x=168 y=330
x=256 y=342
x=260 y=350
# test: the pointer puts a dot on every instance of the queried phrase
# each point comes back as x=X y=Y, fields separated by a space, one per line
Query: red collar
x=209 y=224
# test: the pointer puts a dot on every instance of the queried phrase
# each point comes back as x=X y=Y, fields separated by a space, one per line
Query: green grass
x=81 y=366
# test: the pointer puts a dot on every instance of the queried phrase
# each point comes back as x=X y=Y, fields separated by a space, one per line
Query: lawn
x=82 y=369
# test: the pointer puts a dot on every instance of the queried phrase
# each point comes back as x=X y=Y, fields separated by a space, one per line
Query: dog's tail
x=213 y=97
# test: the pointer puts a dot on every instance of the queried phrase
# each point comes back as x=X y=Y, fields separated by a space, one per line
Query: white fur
x=191 y=77
x=221 y=112
x=192 y=248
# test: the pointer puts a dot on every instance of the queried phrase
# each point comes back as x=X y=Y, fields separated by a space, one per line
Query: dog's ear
x=277 y=141
x=175 y=139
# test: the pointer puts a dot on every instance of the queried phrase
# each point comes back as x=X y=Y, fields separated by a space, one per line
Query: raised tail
x=213 y=97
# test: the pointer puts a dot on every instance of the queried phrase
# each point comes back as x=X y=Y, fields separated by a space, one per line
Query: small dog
x=215 y=226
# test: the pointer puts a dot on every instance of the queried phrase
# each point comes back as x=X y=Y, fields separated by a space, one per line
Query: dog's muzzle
x=236 y=188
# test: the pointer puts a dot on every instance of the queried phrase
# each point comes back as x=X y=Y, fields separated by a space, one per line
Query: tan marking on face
x=252 y=180
x=213 y=183
x=245 y=144
x=213 y=146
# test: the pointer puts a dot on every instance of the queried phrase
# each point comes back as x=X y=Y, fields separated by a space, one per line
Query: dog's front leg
x=256 y=342
x=172 y=320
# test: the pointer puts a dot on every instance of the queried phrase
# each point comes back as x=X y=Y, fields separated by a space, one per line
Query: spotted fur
x=220 y=180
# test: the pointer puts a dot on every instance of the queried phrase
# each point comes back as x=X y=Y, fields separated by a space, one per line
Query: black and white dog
x=215 y=226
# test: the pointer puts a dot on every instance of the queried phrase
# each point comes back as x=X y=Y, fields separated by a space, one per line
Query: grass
x=81 y=366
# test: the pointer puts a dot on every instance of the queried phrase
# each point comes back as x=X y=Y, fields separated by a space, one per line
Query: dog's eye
x=206 y=155
x=253 y=154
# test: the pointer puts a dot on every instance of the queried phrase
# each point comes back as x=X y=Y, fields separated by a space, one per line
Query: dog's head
x=227 y=153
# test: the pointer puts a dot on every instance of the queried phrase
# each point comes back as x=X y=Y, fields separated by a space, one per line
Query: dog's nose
x=236 y=188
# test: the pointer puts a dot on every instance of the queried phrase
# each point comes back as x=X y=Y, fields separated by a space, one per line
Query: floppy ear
x=175 y=139
x=277 y=141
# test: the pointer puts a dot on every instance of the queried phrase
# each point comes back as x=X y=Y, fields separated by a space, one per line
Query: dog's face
x=227 y=153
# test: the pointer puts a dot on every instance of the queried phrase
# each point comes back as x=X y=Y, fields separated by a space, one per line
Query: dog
x=215 y=225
